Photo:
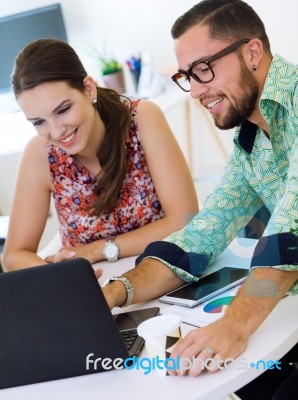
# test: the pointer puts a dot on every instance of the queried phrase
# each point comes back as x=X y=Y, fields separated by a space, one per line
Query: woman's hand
x=89 y=251
x=67 y=253
x=63 y=254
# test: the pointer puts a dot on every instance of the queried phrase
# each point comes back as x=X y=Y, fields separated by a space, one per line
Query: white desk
x=271 y=341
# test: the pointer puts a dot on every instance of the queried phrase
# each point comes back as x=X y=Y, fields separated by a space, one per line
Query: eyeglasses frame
x=224 y=52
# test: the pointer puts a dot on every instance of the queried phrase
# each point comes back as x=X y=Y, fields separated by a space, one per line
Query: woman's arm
x=30 y=207
x=171 y=178
x=167 y=166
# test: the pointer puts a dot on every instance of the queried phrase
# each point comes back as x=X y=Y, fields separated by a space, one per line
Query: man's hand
x=215 y=343
x=227 y=338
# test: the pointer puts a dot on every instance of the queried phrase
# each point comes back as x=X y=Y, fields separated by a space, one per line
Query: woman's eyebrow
x=60 y=105
x=53 y=112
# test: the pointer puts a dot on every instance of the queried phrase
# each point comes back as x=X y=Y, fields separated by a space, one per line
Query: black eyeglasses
x=201 y=71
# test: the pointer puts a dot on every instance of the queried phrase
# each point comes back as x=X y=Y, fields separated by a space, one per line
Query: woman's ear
x=90 y=87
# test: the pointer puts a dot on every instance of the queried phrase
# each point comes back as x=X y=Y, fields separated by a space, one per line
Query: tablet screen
x=210 y=284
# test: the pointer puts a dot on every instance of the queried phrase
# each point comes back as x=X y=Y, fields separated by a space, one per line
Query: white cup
x=161 y=334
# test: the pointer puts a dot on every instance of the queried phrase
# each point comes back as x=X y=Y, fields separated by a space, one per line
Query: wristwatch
x=128 y=287
x=110 y=250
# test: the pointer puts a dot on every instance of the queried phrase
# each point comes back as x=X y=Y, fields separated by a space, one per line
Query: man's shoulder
x=282 y=77
x=281 y=86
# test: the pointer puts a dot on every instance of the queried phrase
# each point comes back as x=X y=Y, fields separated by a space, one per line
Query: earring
x=254 y=68
x=94 y=101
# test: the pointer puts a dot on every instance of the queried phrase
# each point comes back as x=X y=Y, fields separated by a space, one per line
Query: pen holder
x=115 y=81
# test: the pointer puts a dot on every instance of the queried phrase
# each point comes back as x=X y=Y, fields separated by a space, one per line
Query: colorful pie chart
x=218 y=306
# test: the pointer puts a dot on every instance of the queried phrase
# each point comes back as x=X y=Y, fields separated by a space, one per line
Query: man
x=225 y=62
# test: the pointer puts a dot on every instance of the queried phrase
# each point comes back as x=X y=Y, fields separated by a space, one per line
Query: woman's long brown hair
x=47 y=60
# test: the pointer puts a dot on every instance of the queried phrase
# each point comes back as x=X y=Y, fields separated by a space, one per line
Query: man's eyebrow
x=53 y=112
x=198 y=60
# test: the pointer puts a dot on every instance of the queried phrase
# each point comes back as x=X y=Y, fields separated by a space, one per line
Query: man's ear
x=254 y=53
x=90 y=87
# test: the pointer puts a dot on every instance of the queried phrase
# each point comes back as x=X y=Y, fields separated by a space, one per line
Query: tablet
x=208 y=286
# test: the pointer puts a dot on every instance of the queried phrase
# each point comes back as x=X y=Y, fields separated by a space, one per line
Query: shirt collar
x=247 y=135
x=279 y=82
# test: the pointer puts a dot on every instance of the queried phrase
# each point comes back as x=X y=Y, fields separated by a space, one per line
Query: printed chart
x=204 y=313
x=218 y=306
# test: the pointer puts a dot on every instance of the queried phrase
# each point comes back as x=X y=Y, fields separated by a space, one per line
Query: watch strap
x=128 y=287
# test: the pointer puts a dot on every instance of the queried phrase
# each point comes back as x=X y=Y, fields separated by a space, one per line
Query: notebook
x=52 y=317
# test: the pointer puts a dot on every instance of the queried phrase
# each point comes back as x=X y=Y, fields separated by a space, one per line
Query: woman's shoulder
x=149 y=117
x=35 y=157
x=144 y=105
x=36 y=145
x=144 y=112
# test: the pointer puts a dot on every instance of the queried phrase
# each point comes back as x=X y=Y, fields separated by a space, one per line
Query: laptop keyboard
x=129 y=337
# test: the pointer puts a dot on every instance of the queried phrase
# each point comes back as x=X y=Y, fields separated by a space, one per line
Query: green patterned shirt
x=258 y=171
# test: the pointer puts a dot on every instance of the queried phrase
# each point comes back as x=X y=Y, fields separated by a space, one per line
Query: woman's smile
x=70 y=139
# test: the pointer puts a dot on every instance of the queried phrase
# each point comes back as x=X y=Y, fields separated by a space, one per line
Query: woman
x=117 y=176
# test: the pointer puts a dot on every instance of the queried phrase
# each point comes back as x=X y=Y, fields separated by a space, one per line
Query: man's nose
x=197 y=89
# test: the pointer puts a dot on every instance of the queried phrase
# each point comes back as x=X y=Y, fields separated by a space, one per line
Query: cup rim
x=155 y=326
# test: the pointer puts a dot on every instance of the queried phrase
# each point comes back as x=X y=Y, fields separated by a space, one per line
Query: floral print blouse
x=72 y=191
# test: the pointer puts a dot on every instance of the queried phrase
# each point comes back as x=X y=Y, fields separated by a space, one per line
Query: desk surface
x=277 y=334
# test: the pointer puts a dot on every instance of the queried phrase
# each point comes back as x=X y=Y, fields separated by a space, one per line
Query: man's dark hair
x=228 y=20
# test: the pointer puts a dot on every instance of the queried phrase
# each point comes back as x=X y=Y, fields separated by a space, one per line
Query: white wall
x=128 y=26
x=125 y=26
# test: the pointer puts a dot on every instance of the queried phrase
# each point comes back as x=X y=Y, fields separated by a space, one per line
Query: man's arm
x=228 y=337
x=187 y=253
x=150 y=279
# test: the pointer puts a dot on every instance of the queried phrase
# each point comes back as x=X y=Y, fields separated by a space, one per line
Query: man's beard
x=244 y=104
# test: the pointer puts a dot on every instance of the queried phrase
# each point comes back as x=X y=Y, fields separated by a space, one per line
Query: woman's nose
x=57 y=130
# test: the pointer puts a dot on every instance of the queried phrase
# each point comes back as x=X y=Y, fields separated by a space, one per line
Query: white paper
x=207 y=312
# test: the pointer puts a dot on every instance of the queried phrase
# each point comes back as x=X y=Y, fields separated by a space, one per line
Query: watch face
x=111 y=251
